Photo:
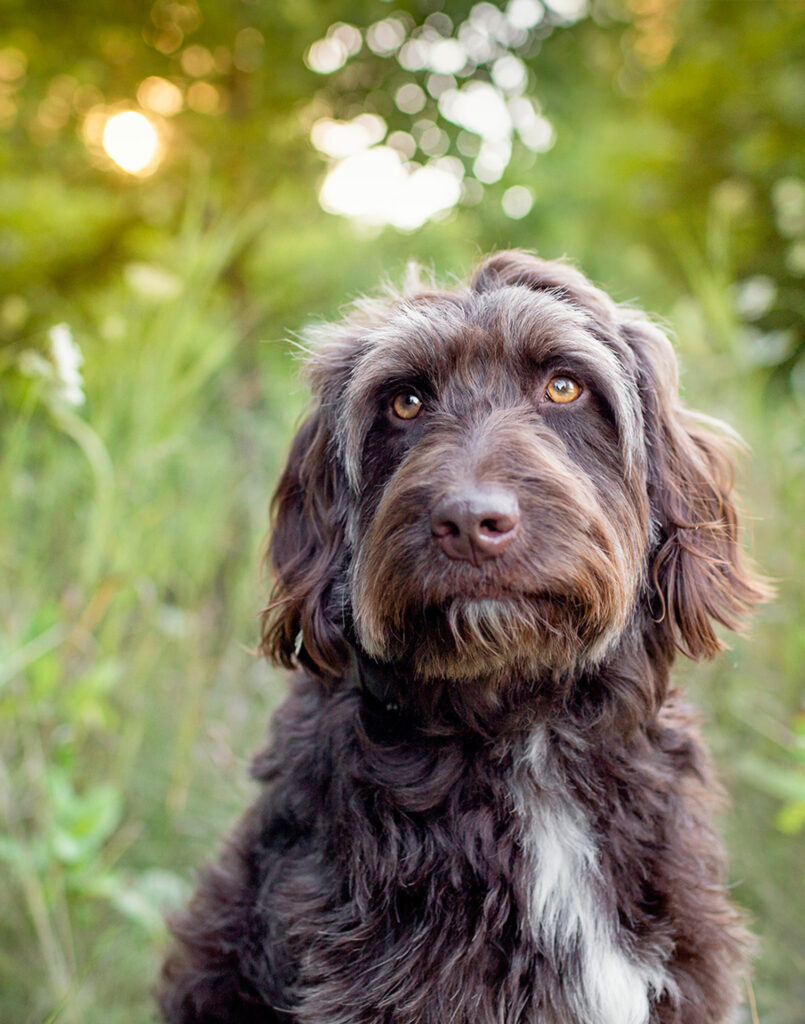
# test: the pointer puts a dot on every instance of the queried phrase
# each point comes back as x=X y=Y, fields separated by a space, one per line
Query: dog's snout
x=476 y=524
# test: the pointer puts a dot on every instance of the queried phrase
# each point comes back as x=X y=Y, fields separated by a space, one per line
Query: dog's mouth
x=488 y=590
x=500 y=613
x=491 y=625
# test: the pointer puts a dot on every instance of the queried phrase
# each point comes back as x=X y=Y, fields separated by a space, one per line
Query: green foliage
x=146 y=402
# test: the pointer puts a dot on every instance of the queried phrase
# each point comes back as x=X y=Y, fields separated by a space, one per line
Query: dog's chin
x=494 y=637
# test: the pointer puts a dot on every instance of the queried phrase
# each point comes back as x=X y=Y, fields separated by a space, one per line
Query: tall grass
x=130 y=535
x=752 y=696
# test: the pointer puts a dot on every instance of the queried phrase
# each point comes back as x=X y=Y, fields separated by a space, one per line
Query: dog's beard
x=491 y=637
x=494 y=636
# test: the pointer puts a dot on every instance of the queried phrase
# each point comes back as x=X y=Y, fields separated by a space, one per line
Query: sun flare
x=131 y=140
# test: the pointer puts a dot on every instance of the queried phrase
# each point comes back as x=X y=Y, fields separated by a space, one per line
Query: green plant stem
x=93 y=448
x=26 y=655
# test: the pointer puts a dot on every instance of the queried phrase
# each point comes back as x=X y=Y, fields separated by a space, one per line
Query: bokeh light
x=132 y=142
x=340 y=139
x=204 y=98
x=13 y=63
x=495 y=111
x=377 y=187
x=326 y=56
x=160 y=95
x=517 y=202
x=385 y=37
x=525 y=13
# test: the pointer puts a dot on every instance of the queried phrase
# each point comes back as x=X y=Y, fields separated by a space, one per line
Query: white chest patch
x=572 y=927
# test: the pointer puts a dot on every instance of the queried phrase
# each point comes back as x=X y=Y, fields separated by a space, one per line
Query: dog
x=484 y=802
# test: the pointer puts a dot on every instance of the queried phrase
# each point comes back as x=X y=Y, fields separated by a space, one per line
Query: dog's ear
x=304 y=553
x=698 y=572
x=303 y=623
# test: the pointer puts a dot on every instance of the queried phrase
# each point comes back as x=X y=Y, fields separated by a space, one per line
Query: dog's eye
x=563 y=390
x=406 y=405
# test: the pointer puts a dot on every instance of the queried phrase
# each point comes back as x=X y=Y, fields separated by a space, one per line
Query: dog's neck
x=622 y=692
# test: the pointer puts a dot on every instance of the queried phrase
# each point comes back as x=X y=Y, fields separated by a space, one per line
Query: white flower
x=67 y=358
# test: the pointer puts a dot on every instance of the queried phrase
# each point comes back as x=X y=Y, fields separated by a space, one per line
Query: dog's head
x=499 y=481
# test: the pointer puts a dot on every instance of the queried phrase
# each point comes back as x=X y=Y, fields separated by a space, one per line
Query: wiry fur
x=529 y=839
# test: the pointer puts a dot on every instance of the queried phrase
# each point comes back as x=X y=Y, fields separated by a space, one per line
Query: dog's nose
x=475 y=525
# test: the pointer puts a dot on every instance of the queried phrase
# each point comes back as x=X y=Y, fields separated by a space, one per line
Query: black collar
x=376 y=680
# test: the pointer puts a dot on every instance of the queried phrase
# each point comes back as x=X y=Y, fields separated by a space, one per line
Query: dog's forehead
x=471 y=335
x=470 y=340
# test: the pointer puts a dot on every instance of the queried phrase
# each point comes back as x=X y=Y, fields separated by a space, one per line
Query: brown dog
x=482 y=803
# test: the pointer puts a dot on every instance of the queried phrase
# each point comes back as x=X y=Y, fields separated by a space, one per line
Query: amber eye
x=563 y=390
x=406 y=405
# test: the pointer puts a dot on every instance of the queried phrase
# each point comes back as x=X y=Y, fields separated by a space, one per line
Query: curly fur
x=524 y=834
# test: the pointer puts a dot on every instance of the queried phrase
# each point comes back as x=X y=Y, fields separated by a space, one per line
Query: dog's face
x=499 y=481
x=493 y=448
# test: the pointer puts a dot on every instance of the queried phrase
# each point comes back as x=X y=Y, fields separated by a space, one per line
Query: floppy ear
x=698 y=571
x=303 y=623
x=304 y=555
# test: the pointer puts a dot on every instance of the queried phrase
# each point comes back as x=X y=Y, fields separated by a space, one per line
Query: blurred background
x=183 y=186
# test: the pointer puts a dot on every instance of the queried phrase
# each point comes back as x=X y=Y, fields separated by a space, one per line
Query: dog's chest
x=489 y=907
x=571 y=915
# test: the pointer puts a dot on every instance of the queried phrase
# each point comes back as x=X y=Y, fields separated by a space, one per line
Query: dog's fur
x=482 y=803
